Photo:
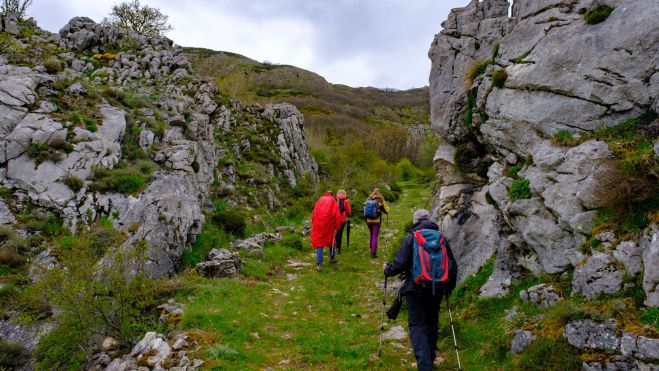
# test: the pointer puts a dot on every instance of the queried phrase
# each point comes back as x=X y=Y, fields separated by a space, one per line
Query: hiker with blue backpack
x=426 y=260
x=374 y=207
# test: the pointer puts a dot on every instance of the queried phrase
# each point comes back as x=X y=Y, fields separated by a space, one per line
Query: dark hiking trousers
x=339 y=237
x=423 y=318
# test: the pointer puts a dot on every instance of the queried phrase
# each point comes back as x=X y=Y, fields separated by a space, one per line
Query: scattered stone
x=521 y=340
x=109 y=344
x=395 y=333
x=286 y=228
x=511 y=313
x=542 y=296
x=171 y=311
x=222 y=263
x=296 y=264
x=584 y=334
x=256 y=243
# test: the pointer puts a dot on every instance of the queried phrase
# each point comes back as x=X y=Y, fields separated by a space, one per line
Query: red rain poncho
x=324 y=221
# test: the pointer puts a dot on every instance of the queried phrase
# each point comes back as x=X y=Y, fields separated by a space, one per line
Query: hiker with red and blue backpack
x=345 y=212
x=426 y=260
x=374 y=207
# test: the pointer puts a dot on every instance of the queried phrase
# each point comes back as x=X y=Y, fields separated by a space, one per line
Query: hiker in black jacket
x=422 y=305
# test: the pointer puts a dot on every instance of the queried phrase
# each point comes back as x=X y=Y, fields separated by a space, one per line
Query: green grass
x=519 y=190
x=318 y=320
x=499 y=77
x=477 y=69
x=598 y=14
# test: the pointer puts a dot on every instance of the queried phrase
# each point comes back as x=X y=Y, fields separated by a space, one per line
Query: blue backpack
x=372 y=208
x=430 y=261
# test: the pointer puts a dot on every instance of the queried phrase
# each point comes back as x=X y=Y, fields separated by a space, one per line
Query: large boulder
x=221 y=263
x=599 y=275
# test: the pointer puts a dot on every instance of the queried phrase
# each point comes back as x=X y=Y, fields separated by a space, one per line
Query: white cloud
x=381 y=43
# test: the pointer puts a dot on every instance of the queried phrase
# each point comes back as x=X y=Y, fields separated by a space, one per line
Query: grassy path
x=283 y=317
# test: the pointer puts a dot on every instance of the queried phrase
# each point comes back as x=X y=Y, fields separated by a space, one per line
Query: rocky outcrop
x=542 y=296
x=561 y=74
x=256 y=243
x=521 y=340
x=220 y=263
x=185 y=127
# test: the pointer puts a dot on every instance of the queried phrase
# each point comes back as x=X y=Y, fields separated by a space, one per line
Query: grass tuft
x=598 y=14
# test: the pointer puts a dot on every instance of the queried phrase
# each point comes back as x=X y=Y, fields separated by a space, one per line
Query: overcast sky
x=381 y=43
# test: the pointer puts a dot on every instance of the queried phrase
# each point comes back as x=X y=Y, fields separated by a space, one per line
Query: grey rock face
x=598 y=276
x=521 y=340
x=6 y=217
x=593 y=335
x=221 y=263
x=543 y=296
x=292 y=144
x=650 y=251
x=27 y=335
x=630 y=255
x=255 y=244
x=577 y=84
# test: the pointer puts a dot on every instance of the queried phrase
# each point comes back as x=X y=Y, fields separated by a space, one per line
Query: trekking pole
x=455 y=341
x=384 y=304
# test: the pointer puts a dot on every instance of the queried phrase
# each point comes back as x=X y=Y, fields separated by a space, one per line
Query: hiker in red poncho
x=345 y=211
x=324 y=224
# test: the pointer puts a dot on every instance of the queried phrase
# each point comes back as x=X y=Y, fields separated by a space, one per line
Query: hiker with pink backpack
x=426 y=260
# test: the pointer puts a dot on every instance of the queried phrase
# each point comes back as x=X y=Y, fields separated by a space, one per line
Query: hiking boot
x=332 y=261
x=373 y=255
x=319 y=267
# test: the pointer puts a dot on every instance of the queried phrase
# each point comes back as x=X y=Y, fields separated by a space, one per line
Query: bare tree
x=142 y=19
x=14 y=6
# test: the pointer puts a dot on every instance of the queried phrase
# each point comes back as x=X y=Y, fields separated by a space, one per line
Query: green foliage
x=143 y=19
x=651 y=317
x=121 y=180
x=469 y=288
x=499 y=77
x=477 y=69
x=12 y=355
x=406 y=169
x=551 y=354
x=292 y=240
x=41 y=152
x=231 y=220
x=520 y=59
x=49 y=224
x=469 y=111
x=598 y=14
x=53 y=66
x=211 y=237
x=121 y=304
x=552 y=19
x=74 y=183
x=223 y=352
x=80 y=119
x=514 y=170
x=563 y=138
x=495 y=52
x=519 y=190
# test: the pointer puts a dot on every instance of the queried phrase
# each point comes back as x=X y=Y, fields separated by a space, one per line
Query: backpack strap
x=444 y=259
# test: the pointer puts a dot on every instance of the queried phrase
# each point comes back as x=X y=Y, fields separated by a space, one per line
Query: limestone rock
x=221 y=263
x=543 y=295
x=598 y=276
x=6 y=216
x=588 y=334
x=521 y=340
x=630 y=255
x=256 y=243
x=650 y=250
x=395 y=333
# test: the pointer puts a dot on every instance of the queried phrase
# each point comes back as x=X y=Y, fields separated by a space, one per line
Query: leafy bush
x=121 y=304
x=598 y=14
x=231 y=221
x=651 y=317
x=292 y=240
x=499 y=77
x=519 y=190
x=514 y=170
x=406 y=170
x=74 y=183
x=12 y=355
x=210 y=237
x=121 y=180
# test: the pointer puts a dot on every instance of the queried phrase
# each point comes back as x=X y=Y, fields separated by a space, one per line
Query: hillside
x=334 y=114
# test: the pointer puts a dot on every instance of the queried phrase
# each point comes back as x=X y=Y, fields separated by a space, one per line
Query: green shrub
x=210 y=237
x=563 y=138
x=12 y=355
x=53 y=65
x=514 y=170
x=598 y=14
x=519 y=190
x=651 y=317
x=231 y=220
x=551 y=354
x=406 y=170
x=292 y=240
x=74 y=183
x=119 y=180
x=499 y=77
x=469 y=111
x=41 y=152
